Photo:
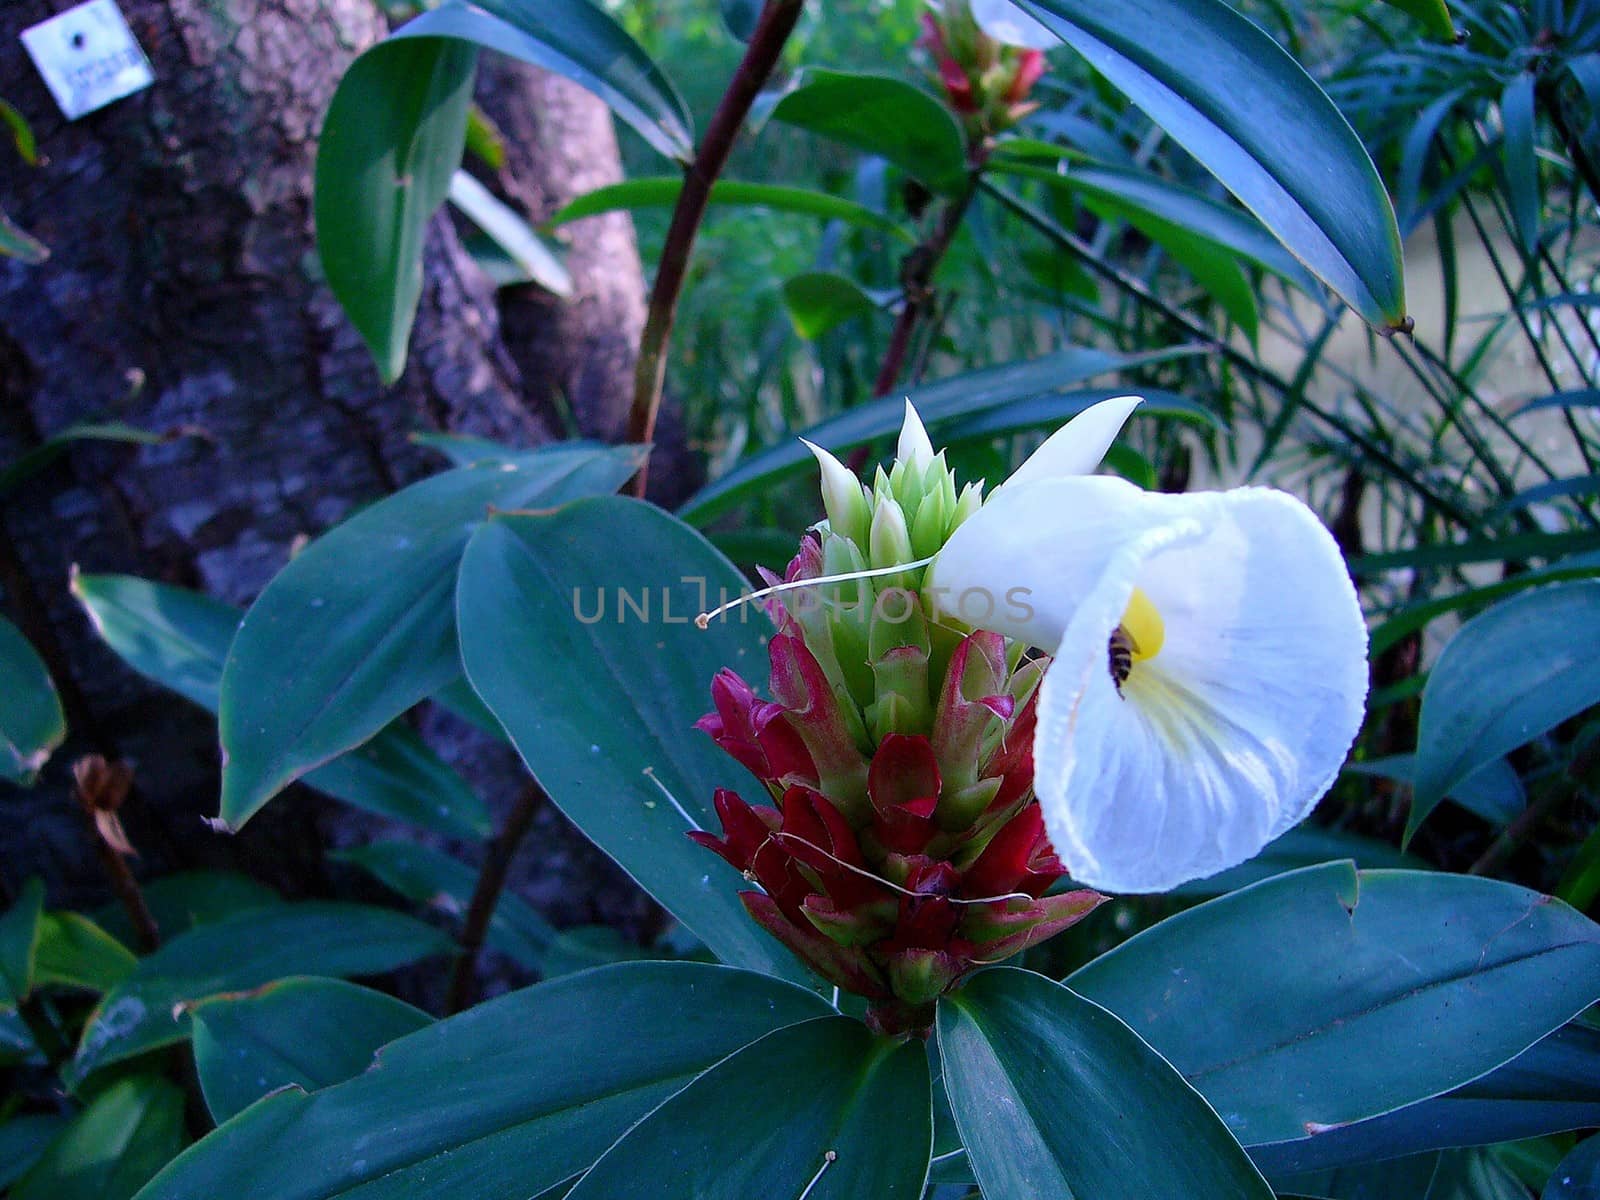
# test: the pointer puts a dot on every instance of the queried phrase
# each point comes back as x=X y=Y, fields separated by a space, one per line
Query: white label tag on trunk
x=88 y=57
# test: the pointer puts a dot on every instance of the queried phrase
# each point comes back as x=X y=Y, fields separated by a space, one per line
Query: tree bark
x=183 y=291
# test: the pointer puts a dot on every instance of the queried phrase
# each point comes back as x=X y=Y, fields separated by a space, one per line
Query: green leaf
x=1232 y=97
x=184 y=899
x=512 y=235
x=1580 y=884
x=1403 y=1177
x=75 y=952
x=360 y=625
x=1304 y=846
x=112 y=1147
x=31 y=722
x=883 y=115
x=1432 y=14
x=1543 y=672
x=1474 y=1175
x=1578 y=1176
x=1516 y=547
x=390 y=144
x=22 y=1140
x=432 y=877
x=306 y=1033
x=741 y=17
x=852 y=1119
x=1344 y=969
x=817 y=301
x=463 y=450
x=509 y=1099
x=995 y=391
x=19 y=943
x=1057 y=1097
x=1551 y=1087
x=20 y=470
x=1494 y=791
x=19 y=244
x=604 y=591
x=633 y=195
x=1521 y=160
x=180 y=639
x=21 y=134
x=150 y=1008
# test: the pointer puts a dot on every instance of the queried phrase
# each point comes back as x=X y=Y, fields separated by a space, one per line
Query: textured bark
x=183 y=291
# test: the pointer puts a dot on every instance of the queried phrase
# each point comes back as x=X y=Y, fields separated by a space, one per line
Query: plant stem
x=916 y=276
x=491 y=882
x=772 y=32
x=128 y=891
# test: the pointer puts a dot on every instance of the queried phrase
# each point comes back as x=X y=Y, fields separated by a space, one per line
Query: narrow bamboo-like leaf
x=180 y=639
x=996 y=390
x=19 y=244
x=32 y=724
x=1227 y=93
x=19 y=943
x=883 y=115
x=511 y=1098
x=852 y=1120
x=1057 y=1097
x=1520 y=159
x=1288 y=1003
x=1582 y=398
x=511 y=233
x=302 y=1032
x=1578 y=1176
x=817 y=301
x=19 y=470
x=21 y=133
x=605 y=591
x=581 y=41
x=1516 y=547
x=360 y=625
x=390 y=144
x=1431 y=14
x=632 y=195
x=1549 y=1088
x=75 y=952
x=150 y=1008
x=1542 y=675
x=111 y=1148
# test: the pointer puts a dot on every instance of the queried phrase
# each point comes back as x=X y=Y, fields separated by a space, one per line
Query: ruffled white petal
x=1079 y=445
x=915 y=448
x=1231 y=734
x=1007 y=23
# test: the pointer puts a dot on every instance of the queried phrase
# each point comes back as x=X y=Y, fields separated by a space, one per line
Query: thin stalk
x=916 y=277
x=491 y=882
x=772 y=32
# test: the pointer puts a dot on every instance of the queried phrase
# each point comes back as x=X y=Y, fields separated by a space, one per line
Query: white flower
x=1209 y=669
x=1005 y=22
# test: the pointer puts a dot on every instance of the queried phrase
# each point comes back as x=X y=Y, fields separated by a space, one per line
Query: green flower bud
x=842 y=497
x=889 y=541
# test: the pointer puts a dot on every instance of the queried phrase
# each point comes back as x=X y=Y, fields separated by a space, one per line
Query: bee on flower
x=973 y=699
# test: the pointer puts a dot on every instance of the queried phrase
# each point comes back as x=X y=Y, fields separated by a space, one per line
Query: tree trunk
x=183 y=292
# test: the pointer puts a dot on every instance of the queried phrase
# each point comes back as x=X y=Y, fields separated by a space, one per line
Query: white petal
x=1023 y=563
x=1079 y=445
x=1230 y=735
x=1007 y=23
x=842 y=496
x=914 y=448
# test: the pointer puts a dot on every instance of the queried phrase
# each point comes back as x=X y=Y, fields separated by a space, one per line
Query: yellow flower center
x=1139 y=636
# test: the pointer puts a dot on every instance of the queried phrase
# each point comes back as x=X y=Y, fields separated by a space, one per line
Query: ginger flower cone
x=911 y=726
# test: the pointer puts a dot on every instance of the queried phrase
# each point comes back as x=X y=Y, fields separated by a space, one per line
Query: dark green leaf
x=75 y=952
x=852 y=1119
x=1228 y=94
x=1551 y=1087
x=1521 y=160
x=309 y=1033
x=1431 y=14
x=1517 y=547
x=22 y=1140
x=360 y=625
x=1057 y=1097
x=390 y=144
x=180 y=639
x=741 y=16
x=1543 y=672
x=632 y=195
x=19 y=244
x=605 y=591
x=31 y=721
x=463 y=449
x=819 y=300
x=1578 y=1176
x=1580 y=885
x=149 y=1008
x=1398 y=1179
x=883 y=115
x=19 y=943
x=1474 y=1175
x=19 y=470
x=1364 y=993
x=579 y=40
x=964 y=398
x=1494 y=791
x=110 y=1149
x=1583 y=398
x=1305 y=846
x=508 y=1099
x=184 y=899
